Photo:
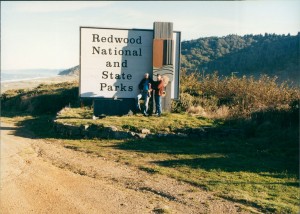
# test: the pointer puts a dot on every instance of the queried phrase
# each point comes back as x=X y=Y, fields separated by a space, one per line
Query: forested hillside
x=248 y=55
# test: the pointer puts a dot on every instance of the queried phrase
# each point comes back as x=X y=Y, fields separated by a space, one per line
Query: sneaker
x=145 y=114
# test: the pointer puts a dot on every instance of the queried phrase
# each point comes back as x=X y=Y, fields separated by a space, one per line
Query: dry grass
x=213 y=96
x=220 y=113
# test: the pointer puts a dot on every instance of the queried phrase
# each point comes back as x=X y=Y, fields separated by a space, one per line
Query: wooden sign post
x=163 y=53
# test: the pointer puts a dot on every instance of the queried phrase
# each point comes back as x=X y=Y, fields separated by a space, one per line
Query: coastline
x=32 y=83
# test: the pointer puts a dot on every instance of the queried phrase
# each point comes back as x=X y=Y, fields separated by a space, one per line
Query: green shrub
x=44 y=99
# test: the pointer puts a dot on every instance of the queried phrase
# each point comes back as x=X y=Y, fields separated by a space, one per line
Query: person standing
x=145 y=87
x=159 y=91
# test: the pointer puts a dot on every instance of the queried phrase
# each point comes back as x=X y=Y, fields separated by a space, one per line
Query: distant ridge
x=249 y=55
x=70 y=71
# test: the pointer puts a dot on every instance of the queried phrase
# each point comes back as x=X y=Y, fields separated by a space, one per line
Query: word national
x=116 y=51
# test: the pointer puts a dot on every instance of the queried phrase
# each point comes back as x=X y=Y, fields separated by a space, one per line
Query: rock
x=167 y=129
x=120 y=135
x=182 y=135
x=113 y=128
x=141 y=136
x=162 y=209
x=162 y=135
x=112 y=132
x=132 y=134
x=146 y=131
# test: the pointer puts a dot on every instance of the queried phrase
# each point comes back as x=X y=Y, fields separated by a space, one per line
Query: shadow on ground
x=262 y=148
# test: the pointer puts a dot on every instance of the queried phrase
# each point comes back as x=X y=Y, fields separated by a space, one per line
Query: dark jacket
x=141 y=85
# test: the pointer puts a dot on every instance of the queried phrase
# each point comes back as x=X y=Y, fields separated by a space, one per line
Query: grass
x=258 y=168
x=259 y=171
x=167 y=123
x=228 y=168
x=257 y=180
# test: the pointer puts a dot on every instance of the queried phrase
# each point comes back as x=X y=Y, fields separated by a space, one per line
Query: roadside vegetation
x=257 y=167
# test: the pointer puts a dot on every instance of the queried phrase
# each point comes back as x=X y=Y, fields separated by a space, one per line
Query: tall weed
x=235 y=97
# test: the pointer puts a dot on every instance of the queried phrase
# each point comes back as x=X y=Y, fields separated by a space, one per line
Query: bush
x=45 y=99
x=239 y=96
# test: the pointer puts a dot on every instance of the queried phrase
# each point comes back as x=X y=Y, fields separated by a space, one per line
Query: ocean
x=27 y=74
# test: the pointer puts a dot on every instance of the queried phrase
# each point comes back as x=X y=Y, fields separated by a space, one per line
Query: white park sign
x=114 y=61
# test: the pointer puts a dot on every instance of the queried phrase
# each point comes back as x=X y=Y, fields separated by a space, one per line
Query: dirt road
x=42 y=177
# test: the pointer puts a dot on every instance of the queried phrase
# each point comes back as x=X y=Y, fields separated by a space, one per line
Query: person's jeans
x=138 y=107
x=157 y=104
x=145 y=97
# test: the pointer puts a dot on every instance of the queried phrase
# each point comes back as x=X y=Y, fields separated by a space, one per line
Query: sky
x=36 y=35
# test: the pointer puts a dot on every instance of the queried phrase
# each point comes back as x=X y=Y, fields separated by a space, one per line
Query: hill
x=71 y=71
x=271 y=54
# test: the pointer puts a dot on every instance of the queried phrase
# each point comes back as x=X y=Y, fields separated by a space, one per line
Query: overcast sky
x=46 y=34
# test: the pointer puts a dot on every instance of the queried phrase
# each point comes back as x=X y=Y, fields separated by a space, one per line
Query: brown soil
x=44 y=177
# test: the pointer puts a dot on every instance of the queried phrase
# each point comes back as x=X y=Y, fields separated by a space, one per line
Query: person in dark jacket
x=145 y=88
x=159 y=91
